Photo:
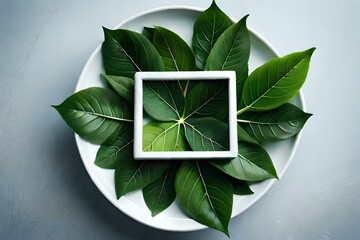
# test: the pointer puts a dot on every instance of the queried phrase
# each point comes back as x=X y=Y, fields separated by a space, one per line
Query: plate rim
x=198 y=226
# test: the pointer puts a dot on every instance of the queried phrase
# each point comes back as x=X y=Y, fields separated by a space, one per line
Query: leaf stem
x=186 y=88
x=243 y=110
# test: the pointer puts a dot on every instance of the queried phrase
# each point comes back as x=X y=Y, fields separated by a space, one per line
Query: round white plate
x=180 y=20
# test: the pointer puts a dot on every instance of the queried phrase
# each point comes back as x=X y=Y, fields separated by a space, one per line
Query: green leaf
x=94 y=113
x=231 y=52
x=160 y=194
x=133 y=174
x=207 y=99
x=163 y=100
x=122 y=85
x=175 y=53
x=109 y=154
x=148 y=32
x=243 y=136
x=276 y=82
x=207 y=134
x=252 y=164
x=163 y=136
x=241 y=187
x=208 y=27
x=125 y=52
x=205 y=194
x=274 y=125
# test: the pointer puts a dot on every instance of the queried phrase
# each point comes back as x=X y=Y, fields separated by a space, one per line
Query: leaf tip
x=226 y=231
x=107 y=31
x=119 y=195
x=154 y=213
x=244 y=18
x=56 y=107
x=275 y=175
x=310 y=51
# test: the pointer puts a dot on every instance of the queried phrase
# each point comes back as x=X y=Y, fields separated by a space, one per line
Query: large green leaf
x=163 y=100
x=231 y=52
x=274 y=125
x=133 y=174
x=163 y=136
x=109 y=154
x=175 y=53
x=207 y=134
x=208 y=27
x=125 y=52
x=205 y=194
x=122 y=85
x=94 y=113
x=252 y=164
x=207 y=99
x=160 y=194
x=275 y=82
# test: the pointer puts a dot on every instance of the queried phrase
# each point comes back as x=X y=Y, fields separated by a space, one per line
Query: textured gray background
x=45 y=192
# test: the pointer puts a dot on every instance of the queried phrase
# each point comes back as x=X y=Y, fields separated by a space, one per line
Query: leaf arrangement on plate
x=189 y=116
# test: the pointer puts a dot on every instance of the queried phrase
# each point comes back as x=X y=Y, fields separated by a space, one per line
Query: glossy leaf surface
x=205 y=194
x=274 y=125
x=207 y=134
x=231 y=52
x=208 y=27
x=174 y=51
x=109 y=154
x=252 y=164
x=276 y=82
x=163 y=100
x=122 y=85
x=163 y=136
x=126 y=52
x=160 y=194
x=207 y=99
x=133 y=174
x=94 y=113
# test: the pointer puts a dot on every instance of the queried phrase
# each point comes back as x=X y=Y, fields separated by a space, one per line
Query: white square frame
x=140 y=77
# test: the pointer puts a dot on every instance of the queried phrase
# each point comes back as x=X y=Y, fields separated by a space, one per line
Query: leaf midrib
x=118 y=149
x=127 y=55
x=133 y=176
x=98 y=115
x=252 y=164
x=161 y=189
x=170 y=51
x=229 y=52
x=205 y=187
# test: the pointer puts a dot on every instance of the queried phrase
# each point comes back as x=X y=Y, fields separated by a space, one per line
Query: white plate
x=181 y=20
